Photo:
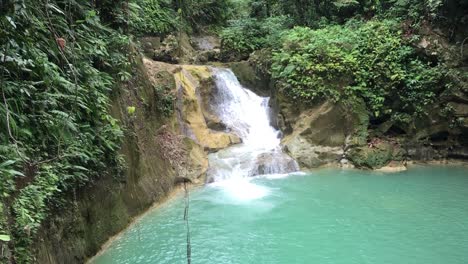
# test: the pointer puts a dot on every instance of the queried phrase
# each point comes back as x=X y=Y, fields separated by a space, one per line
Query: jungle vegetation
x=61 y=60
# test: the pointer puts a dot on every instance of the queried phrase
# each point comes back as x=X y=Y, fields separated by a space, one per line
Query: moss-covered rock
x=173 y=49
x=150 y=45
x=375 y=156
x=320 y=134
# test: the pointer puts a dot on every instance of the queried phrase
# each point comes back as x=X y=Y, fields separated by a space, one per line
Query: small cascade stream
x=247 y=115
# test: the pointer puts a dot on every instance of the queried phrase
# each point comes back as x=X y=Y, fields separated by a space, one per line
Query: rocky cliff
x=325 y=132
x=161 y=148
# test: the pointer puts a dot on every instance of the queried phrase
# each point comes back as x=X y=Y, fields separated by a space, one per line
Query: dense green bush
x=162 y=17
x=316 y=14
x=200 y=13
x=154 y=17
x=58 y=66
x=367 y=60
x=248 y=34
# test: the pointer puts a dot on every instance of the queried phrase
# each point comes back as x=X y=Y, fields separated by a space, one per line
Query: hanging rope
x=186 y=219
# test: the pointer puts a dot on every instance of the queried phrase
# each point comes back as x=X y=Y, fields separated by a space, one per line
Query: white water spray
x=246 y=114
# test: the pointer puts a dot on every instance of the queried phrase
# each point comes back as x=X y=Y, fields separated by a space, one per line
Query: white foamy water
x=247 y=115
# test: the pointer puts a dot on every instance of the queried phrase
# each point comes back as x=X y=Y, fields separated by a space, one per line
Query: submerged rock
x=394 y=166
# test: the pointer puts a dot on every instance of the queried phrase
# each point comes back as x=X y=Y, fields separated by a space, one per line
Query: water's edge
x=179 y=192
x=175 y=193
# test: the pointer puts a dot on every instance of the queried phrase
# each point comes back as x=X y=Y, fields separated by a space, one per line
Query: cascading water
x=246 y=114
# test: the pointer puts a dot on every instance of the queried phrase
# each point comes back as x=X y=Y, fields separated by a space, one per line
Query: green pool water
x=328 y=216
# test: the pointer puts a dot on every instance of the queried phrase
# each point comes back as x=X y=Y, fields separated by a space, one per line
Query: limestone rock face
x=320 y=134
x=193 y=115
x=250 y=77
x=157 y=156
x=150 y=45
x=181 y=48
x=309 y=155
x=193 y=91
x=172 y=49
x=194 y=163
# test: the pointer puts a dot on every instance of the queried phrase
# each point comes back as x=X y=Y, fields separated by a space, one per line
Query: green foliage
x=131 y=110
x=410 y=9
x=389 y=69
x=314 y=64
x=316 y=14
x=9 y=172
x=163 y=17
x=240 y=8
x=204 y=12
x=252 y=31
x=369 y=60
x=165 y=100
x=246 y=35
x=4 y=234
x=154 y=17
x=56 y=133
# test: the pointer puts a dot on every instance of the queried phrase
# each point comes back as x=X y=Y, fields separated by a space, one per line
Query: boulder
x=273 y=163
x=376 y=156
x=150 y=45
x=206 y=42
x=309 y=155
x=393 y=166
x=460 y=109
x=173 y=49
x=206 y=56
x=320 y=134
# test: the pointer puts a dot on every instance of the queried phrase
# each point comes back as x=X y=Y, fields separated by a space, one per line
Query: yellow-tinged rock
x=190 y=79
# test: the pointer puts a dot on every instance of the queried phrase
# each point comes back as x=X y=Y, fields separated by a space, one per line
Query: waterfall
x=246 y=114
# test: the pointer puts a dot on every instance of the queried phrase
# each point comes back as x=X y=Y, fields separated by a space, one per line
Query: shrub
x=362 y=60
x=243 y=36
x=59 y=64
x=200 y=13
x=153 y=17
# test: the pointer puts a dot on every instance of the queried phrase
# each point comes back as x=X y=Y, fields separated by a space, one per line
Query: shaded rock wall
x=157 y=156
x=321 y=134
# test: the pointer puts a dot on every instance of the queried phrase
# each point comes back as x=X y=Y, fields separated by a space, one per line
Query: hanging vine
x=59 y=64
